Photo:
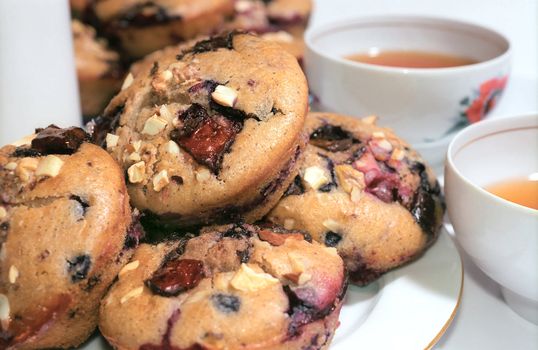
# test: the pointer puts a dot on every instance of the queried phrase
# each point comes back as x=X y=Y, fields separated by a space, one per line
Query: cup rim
x=480 y=130
x=313 y=32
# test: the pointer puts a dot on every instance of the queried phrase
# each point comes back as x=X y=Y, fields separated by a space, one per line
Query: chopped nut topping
x=154 y=125
x=28 y=163
x=248 y=280
x=385 y=144
x=280 y=36
x=332 y=225
x=3 y=212
x=349 y=178
x=127 y=82
x=315 y=177
x=10 y=166
x=371 y=119
x=203 y=175
x=137 y=172
x=49 y=166
x=160 y=180
x=171 y=147
x=397 y=154
x=136 y=145
x=289 y=223
x=243 y=5
x=129 y=267
x=13 y=274
x=132 y=294
x=304 y=278
x=26 y=140
x=135 y=157
x=165 y=113
x=355 y=195
x=224 y=96
x=297 y=265
x=221 y=281
x=378 y=134
x=160 y=81
x=111 y=140
x=4 y=311
x=331 y=250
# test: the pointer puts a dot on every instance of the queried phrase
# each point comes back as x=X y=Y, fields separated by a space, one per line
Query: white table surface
x=483 y=320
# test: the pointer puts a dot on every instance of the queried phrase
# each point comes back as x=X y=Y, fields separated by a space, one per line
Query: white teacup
x=425 y=106
x=500 y=236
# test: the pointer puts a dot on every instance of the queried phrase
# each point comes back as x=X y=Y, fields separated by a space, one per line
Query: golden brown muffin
x=233 y=287
x=98 y=70
x=210 y=135
x=362 y=190
x=64 y=235
x=142 y=26
x=281 y=21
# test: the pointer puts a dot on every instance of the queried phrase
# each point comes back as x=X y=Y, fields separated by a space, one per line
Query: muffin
x=65 y=232
x=99 y=71
x=141 y=27
x=209 y=293
x=281 y=21
x=365 y=192
x=211 y=134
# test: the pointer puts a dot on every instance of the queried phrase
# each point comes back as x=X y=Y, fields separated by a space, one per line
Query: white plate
x=408 y=308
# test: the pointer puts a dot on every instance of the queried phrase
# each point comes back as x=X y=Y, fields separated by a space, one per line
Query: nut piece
x=132 y=294
x=154 y=125
x=224 y=96
x=243 y=5
x=332 y=225
x=349 y=178
x=134 y=157
x=127 y=82
x=289 y=223
x=385 y=144
x=248 y=280
x=111 y=140
x=10 y=166
x=160 y=180
x=13 y=274
x=280 y=36
x=137 y=172
x=171 y=147
x=4 y=311
x=397 y=154
x=203 y=175
x=49 y=166
x=3 y=212
x=371 y=119
x=129 y=267
x=378 y=134
x=315 y=177
x=165 y=113
x=26 y=167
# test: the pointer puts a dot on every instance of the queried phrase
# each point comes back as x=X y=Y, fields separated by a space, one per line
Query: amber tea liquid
x=411 y=59
x=522 y=191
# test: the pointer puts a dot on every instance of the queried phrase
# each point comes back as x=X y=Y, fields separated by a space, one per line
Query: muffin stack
x=130 y=30
x=271 y=208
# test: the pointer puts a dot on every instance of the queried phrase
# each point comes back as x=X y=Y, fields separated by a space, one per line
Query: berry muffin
x=281 y=21
x=141 y=26
x=363 y=191
x=65 y=232
x=212 y=134
x=209 y=293
x=98 y=70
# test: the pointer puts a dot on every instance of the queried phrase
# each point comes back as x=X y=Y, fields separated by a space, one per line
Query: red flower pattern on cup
x=487 y=97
